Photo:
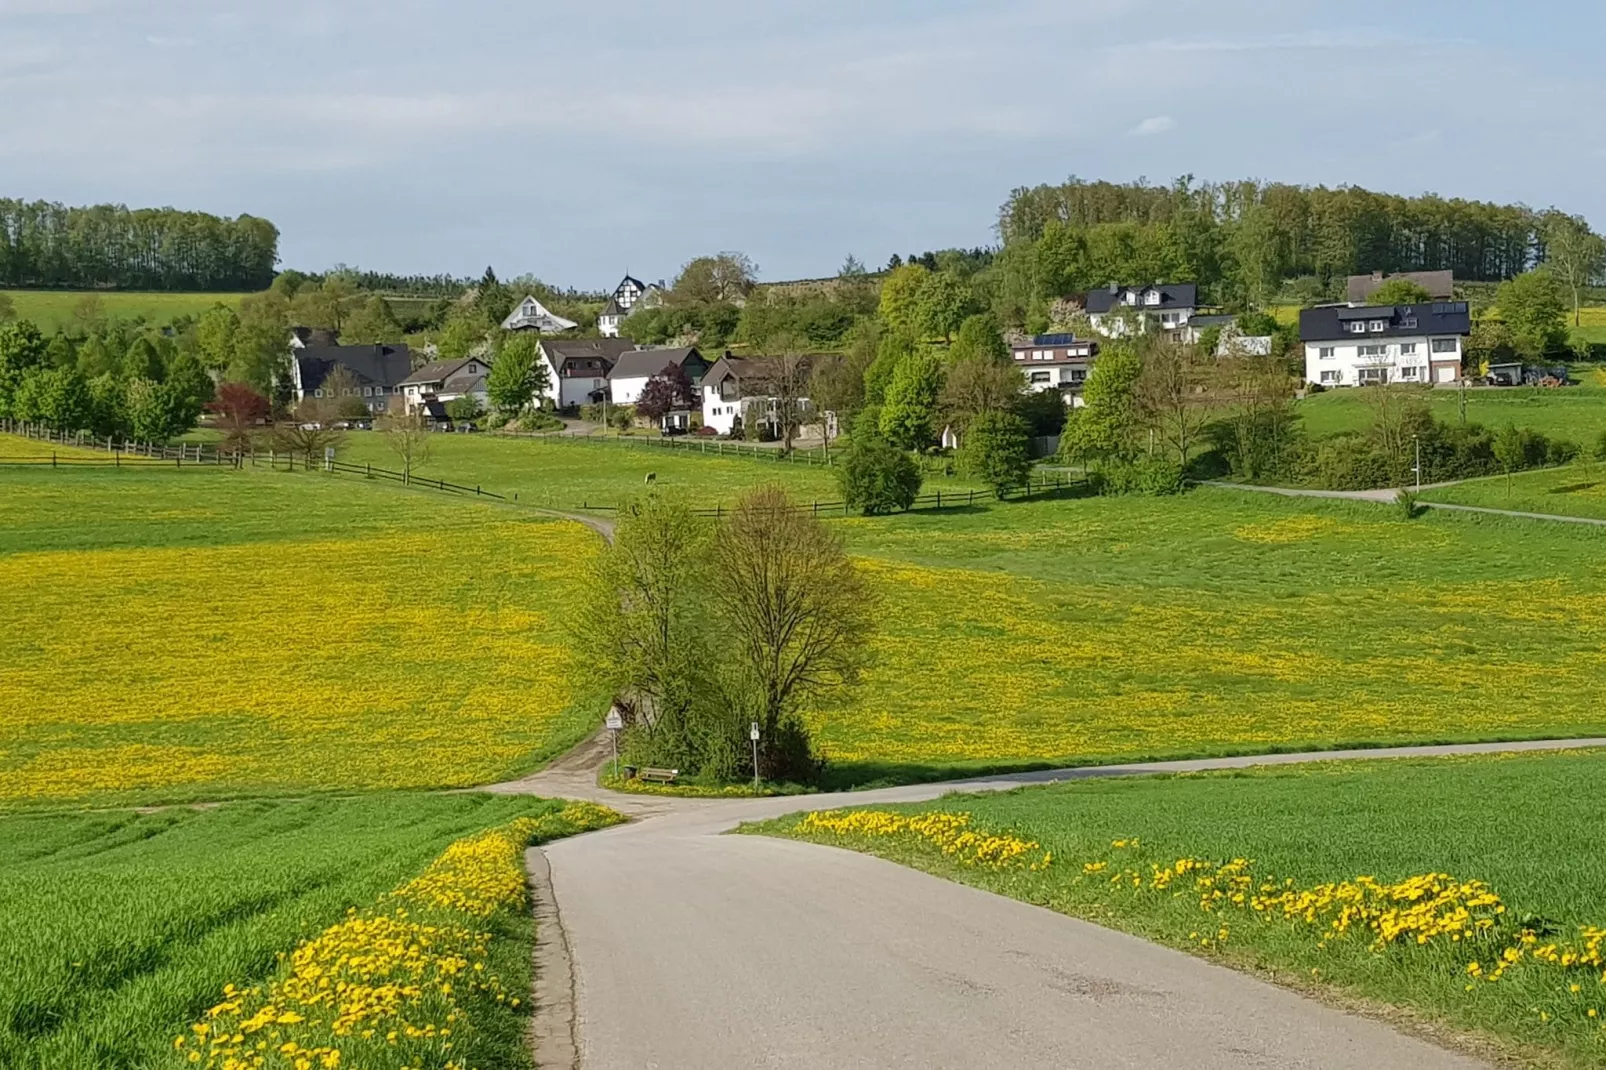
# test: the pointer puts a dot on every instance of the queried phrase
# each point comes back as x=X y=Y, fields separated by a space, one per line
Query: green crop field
x=1102 y=629
x=211 y=633
x=1575 y=490
x=1310 y=840
x=54 y=310
x=119 y=930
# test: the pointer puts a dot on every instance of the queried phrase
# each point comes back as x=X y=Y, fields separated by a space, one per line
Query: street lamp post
x=1416 y=440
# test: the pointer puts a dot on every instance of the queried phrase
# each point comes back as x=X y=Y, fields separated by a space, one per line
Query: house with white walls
x=531 y=315
x=577 y=369
x=1361 y=345
x=631 y=370
x=752 y=390
x=1166 y=306
x=446 y=381
x=630 y=293
x=1058 y=362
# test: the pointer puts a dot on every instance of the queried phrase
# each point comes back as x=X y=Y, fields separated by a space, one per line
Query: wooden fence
x=942 y=499
x=710 y=447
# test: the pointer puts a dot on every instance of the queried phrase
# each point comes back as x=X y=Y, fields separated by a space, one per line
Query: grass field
x=207 y=633
x=57 y=309
x=1102 y=629
x=1575 y=412
x=566 y=474
x=1575 y=490
x=118 y=930
x=1526 y=826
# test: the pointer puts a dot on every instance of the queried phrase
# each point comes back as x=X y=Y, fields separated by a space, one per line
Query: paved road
x=694 y=949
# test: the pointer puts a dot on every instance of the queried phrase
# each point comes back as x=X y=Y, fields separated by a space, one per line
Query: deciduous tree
x=910 y=411
x=668 y=391
x=409 y=438
x=997 y=450
x=1534 y=307
x=518 y=375
x=1174 y=392
x=239 y=409
x=1575 y=253
x=877 y=477
x=795 y=615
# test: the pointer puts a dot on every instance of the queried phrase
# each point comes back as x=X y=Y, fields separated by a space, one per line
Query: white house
x=749 y=389
x=1059 y=362
x=531 y=315
x=1167 y=306
x=1350 y=345
x=632 y=370
x=577 y=370
x=447 y=380
x=625 y=297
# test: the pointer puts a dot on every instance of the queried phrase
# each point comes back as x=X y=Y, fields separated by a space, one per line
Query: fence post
x=52 y=458
x=939 y=499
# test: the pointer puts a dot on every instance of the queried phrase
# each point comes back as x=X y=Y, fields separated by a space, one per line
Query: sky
x=577 y=141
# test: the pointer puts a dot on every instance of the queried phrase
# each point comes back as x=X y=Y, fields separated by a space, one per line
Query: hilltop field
x=54 y=310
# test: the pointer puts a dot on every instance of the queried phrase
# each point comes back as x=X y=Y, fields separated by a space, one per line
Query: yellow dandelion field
x=388 y=659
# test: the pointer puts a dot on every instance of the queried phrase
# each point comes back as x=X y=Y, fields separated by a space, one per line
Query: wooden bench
x=658 y=776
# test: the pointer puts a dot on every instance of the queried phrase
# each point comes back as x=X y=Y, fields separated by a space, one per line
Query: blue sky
x=575 y=141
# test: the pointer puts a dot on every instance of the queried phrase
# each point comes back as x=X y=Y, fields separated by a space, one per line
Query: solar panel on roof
x=1053 y=339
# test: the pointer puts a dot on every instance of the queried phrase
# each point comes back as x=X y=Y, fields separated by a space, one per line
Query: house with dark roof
x=632 y=370
x=377 y=369
x=1358 y=345
x=753 y=389
x=531 y=315
x=625 y=297
x=577 y=369
x=447 y=380
x=317 y=337
x=1058 y=362
x=1440 y=285
x=1167 y=306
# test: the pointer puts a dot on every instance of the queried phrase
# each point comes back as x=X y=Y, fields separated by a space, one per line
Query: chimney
x=1115 y=287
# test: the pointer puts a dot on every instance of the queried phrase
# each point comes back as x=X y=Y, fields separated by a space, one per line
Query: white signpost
x=752 y=733
x=614 y=723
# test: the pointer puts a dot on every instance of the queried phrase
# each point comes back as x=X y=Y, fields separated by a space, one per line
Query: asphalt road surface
x=693 y=949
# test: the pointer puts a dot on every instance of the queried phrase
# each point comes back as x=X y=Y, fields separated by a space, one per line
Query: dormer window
x=1152 y=297
x=1358 y=327
x=1379 y=325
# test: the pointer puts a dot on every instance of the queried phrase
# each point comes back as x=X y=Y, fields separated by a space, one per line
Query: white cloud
x=1154 y=125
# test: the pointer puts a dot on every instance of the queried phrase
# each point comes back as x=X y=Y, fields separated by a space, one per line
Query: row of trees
x=112 y=246
x=1264 y=232
x=144 y=394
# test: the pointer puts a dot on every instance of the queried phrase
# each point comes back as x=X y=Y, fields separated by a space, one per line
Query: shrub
x=876 y=476
x=541 y=421
x=1146 y=476
x=1600 y=447
x=1408 y=505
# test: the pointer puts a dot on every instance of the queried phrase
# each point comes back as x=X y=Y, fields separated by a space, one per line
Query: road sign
x=752 y=733
x=614 y=721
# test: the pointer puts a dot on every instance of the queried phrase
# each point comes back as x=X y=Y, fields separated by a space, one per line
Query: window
x=367 y=391
x=1372 y=351
x=1330 y=376
x=472 y=367
x=1042 y=354
x=1041 y=377
x=1378 y=325
x=1445 y=345
x=1078 y=375
x=1152 y=298
x=1408 y=321
x=1358 y=327
x=1409 y=373
x=1372 y=375
x=318 y=393
x=1324 y=353
x=1407 y=349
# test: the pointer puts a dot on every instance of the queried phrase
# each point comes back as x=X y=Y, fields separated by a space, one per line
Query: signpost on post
x=615 y=724
x=752 y=733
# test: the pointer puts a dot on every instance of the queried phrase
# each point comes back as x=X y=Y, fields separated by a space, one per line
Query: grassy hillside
x=53 y=309
x=1576 y=490
x=1100 y=629
x=1574 y=412
x=1526 y=827
x=207 y=633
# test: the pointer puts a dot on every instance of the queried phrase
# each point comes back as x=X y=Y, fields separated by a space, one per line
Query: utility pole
x=1416 y=440
x=752 y=733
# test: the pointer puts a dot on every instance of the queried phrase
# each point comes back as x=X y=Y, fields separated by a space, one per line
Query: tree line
x=45 y=244
x=1242 y=241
